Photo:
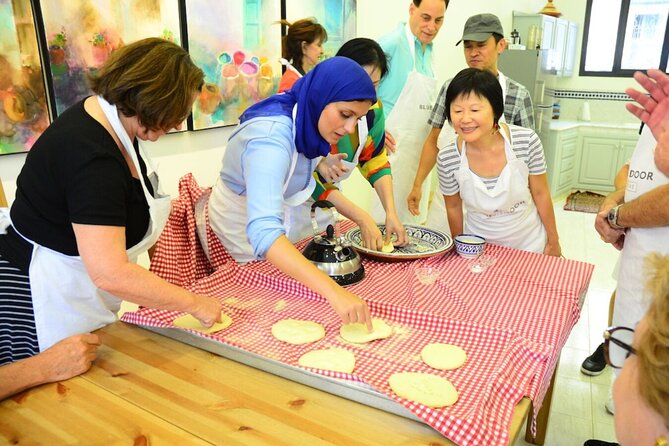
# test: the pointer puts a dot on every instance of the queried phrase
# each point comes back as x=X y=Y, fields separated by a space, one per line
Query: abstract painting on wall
x=23 y=104
x=81 y=34
x=337 y=17
x=238 y=45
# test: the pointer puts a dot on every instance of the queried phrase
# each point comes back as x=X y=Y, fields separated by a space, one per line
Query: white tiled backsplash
x=604 y=107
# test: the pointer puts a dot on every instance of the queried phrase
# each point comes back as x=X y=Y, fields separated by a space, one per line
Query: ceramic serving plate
x=423 y=242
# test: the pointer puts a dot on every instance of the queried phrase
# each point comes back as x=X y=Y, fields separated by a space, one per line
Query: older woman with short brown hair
x=87 y=204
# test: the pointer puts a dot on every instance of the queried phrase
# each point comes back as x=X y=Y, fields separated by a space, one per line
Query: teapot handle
x=324 y=204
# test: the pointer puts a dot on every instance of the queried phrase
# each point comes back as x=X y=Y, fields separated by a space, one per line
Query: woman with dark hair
x=496 y=172
x=268 y=166
x=301 y=49
x=87 y=204
x=364 y=149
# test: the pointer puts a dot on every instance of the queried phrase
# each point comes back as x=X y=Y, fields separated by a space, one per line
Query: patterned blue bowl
x=469 y=246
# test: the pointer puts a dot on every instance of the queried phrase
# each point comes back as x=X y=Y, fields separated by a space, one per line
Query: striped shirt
x=18 y=335
x=524 y=143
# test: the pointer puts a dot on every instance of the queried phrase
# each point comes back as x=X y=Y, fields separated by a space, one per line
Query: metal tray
x=352 y=390
x=423 y=242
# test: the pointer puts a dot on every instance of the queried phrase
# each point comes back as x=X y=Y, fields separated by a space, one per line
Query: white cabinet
x=560 y=148
x=586 y=156
x=602 y=156
x=570 y=50
x=558 y=37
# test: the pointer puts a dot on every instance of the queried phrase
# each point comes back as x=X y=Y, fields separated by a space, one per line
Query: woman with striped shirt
x=495 y=172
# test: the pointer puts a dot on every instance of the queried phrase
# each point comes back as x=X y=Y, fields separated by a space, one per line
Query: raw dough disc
x=335 y=359
x=189 y=321
x=295 y=331
x=357 y=333
x=430 y=390
x=388 y=247
x=443 y=356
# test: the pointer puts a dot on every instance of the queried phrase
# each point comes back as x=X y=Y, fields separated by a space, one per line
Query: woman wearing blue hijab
x=268 y=165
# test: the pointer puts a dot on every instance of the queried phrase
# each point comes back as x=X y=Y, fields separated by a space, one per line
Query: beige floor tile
x=600 y=393
x=579 y=337
x=604 y=431
x=572 y=397
x=568 y=430
x=604 y=379
x=570 y=364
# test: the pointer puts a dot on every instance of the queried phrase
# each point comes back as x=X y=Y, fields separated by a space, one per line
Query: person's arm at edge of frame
x=68 y=358
x=602 y=226
x=654 y=111
x=649 y=210
x=350 y=308
x=542 y=199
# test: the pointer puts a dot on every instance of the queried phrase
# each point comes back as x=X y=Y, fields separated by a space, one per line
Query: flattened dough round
x=296 y=331
x=189 y=321
x=430 y=390
x=443 y=356
x=335 y=359
x=388 y=247
x=357 y=333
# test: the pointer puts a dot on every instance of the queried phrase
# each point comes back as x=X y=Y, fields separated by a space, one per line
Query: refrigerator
x=525 y=67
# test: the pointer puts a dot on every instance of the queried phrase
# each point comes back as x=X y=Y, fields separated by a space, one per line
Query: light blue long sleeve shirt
x=257 y=164
x=400 y=64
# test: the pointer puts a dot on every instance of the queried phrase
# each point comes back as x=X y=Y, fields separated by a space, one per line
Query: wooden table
x=145 y=389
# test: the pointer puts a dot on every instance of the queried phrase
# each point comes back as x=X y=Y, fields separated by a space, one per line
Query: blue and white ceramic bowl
x=469 y=246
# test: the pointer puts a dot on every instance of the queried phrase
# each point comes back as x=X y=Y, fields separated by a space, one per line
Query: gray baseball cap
x=480 y=27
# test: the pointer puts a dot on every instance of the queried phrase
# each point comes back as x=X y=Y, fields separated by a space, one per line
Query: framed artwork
x=238 y=45
x=337 y=17
x=24 y=112
x=81 y=34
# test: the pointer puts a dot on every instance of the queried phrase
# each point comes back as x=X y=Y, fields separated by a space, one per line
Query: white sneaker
x=609 y=406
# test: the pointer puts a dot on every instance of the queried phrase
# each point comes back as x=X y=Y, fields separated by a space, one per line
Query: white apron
x=228 y=213
x=436 y=215
x=298 y=218
x=505 y=215
x=407 y=122
x=632 y=299
x=66 y=302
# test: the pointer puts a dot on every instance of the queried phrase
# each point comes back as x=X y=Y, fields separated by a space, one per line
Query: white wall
x=201 y=152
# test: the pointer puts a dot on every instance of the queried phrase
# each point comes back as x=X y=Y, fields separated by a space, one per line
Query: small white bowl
x=469 y=246
x=427 y=275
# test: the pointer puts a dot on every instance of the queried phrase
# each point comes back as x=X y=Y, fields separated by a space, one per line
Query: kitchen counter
x=558 y=125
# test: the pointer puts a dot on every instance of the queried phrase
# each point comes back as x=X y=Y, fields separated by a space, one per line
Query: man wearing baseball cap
x=484 y=41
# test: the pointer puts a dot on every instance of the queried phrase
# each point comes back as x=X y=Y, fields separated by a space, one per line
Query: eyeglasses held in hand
x=618 y=345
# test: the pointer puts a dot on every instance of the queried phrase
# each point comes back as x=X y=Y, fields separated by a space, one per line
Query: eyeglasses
x=618 y=345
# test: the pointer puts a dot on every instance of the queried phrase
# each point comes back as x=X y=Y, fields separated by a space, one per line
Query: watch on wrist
x=612 y=217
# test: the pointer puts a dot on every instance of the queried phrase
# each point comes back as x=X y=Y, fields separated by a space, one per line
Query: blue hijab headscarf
x=333 y=80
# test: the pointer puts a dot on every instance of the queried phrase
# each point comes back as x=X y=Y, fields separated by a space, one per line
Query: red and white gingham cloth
x=512 y=320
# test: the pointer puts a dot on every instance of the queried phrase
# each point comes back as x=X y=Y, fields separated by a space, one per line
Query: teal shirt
x=396 y=46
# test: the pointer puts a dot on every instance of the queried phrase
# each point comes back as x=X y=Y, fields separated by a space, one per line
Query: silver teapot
x=330 y=252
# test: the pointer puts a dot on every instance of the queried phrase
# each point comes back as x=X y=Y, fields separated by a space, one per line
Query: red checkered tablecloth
x=512 y=320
